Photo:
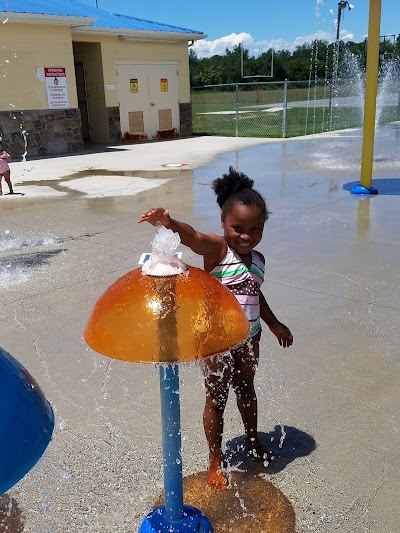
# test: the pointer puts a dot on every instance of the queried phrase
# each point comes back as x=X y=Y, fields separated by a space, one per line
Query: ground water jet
x=350 y=90
x=167 y=313
x=388 y=92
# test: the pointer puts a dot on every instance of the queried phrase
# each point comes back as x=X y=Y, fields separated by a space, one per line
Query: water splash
x=24 y=135
x=351 y=84
x=11 y=272
x=6 y=10
x=388 y=90
x=10 y=275
x=10 y=242
x=283 y=436
x=312 y=59
x=163 y=262
x=350 y=89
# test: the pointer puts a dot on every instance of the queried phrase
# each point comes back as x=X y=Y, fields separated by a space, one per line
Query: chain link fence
x=287 y=109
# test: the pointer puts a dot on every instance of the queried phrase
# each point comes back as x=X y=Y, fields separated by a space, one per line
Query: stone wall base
x=114 y=125
x=185 y=117
x=41 y=132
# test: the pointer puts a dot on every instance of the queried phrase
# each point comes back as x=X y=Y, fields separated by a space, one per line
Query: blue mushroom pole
x=173 y=516
x=171 y=439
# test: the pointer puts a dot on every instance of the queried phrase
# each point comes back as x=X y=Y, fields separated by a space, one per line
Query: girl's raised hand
x=154 y=215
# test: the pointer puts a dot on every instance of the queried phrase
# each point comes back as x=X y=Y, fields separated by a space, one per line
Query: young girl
x=232 y=259
x=5 y=170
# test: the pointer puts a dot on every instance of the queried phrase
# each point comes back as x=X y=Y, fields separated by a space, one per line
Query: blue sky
x=259 y=23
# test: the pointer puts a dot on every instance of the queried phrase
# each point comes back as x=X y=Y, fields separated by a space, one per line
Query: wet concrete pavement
x=333 y=275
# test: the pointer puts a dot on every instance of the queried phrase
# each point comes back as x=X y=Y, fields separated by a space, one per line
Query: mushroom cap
x=177 y=319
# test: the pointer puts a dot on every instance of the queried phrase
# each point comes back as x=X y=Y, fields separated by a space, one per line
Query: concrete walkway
x=329 y=406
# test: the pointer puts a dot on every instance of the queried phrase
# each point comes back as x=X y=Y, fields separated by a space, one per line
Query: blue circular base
x=26 y=421
x=359 y=189
x=194 y=521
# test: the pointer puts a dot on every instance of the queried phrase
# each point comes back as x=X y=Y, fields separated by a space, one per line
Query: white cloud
x=207 y=48
x=282 y=44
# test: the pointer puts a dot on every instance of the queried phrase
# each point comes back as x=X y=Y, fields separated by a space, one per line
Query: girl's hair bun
x=230 y=184
x=237 y=188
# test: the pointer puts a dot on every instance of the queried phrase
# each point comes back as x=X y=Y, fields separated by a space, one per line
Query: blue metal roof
x=74 y=8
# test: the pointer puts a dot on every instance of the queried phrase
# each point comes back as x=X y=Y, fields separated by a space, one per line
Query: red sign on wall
x=56 y=87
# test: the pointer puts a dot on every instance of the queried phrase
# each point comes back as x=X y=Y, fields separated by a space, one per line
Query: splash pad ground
x=328 y=407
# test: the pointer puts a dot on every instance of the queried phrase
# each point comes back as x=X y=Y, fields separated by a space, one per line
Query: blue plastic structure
x=173 y=516
x=359 y=189
x=26 y=421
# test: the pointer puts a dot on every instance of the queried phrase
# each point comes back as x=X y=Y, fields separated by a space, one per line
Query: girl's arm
x=206 y=244
x=281 y=332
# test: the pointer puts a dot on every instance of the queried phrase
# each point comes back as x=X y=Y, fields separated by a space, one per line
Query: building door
x=81 y=90
x=149 y=98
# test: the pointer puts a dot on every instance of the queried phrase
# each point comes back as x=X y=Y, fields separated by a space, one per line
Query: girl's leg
x=1 y=189
x=217 y=380
x=245 y=365
x=8 y=180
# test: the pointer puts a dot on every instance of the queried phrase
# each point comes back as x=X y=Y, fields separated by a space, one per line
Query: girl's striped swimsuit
x=244 y=283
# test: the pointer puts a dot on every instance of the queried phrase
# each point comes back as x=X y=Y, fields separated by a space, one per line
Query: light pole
x=341 y=6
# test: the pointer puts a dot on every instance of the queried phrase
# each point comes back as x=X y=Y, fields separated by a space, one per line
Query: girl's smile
x=243 y=227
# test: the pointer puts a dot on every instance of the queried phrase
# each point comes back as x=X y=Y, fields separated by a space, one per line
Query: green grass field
x=214 y=113
x=257 y=123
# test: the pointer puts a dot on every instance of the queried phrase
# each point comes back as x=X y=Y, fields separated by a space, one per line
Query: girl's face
x=243 y=227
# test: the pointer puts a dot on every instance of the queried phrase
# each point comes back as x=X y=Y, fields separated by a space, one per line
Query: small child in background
x=5 y=170
x=232 y=259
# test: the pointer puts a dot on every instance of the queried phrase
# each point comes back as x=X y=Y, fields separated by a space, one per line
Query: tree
x=315 y=59
x=233 y=59
x=211 y=74
x=194 y=67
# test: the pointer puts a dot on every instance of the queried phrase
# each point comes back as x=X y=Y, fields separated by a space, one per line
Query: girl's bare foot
x=217 y=478
x=258 y=451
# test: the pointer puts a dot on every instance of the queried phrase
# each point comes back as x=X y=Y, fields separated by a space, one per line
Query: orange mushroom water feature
x=172 y=313
x=168 y=313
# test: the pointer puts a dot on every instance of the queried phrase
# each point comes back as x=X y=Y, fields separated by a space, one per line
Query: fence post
x=284 y=117
x=237 y=110
x=330 y=104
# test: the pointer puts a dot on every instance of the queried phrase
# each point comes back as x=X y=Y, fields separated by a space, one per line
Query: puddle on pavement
x=58 y=184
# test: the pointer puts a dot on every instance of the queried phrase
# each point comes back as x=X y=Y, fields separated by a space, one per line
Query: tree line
x=316 y=59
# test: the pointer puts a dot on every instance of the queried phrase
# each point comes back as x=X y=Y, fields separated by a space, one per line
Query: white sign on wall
x=56 y=87
x=40 y=74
